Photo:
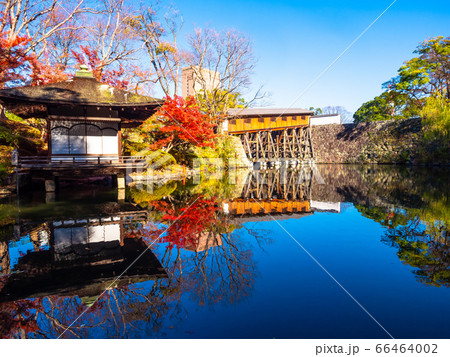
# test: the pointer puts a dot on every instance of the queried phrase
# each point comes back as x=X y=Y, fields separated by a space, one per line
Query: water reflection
x=72 y=262
x=425 y=247
x=79 y=257
x=197 y=246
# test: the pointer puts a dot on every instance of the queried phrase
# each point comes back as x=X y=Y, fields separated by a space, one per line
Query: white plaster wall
x=110 y=145
x=94 y=145
x=332 y=119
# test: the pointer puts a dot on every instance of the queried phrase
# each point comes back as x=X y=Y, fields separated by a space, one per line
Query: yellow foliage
x=436 y=118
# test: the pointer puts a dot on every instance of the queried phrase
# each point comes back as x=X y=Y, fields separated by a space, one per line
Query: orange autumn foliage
x=183 y=124
x=17 y=67
x=13 y=58
x=46 y=73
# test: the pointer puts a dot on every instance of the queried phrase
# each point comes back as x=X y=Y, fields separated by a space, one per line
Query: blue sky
x=296 y=40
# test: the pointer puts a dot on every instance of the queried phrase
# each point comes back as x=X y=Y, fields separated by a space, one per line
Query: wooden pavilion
x=84 y=121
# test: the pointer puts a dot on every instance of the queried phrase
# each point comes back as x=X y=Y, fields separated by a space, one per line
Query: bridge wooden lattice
x=279 y=184
x=274 y=192
x=278 y=144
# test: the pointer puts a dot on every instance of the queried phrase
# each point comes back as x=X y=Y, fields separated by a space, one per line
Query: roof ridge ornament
x=84 y=72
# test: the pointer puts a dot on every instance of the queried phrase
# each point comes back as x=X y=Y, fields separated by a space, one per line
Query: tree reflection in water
x=199 y=253
x=417 y=226
x=18 y=318
x=424 y=246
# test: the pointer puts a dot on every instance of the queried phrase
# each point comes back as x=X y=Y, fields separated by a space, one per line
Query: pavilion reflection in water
x=81 y=257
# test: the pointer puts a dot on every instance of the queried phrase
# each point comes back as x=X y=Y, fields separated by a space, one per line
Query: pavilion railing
x=79 y=161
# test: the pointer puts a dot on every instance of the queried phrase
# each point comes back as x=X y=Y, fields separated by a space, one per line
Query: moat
x=274 y=254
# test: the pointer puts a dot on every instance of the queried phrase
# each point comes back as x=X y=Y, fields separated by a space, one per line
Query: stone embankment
x=241 y=160
x=368 y=185
x=383 y=142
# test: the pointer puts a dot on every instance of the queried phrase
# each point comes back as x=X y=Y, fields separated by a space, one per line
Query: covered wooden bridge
x=272 y=136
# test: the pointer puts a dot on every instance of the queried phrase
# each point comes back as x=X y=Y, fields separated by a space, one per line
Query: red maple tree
x=14 y=61
x=113 y=77
x=183 y=125
x=17 y=67
x=45 y=72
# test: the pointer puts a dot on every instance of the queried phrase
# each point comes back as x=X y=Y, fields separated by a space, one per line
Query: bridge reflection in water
x=280 y=192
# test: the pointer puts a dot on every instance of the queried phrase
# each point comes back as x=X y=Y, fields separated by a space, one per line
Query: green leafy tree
x=317 y=111
x=388 y=105
x=422 y=76
x=428 y=73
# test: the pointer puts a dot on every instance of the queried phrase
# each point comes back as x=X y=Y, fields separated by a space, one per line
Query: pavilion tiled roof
x=78 y=90
x=82 y=89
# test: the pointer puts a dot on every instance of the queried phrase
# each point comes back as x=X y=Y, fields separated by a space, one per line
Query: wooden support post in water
x=121 y=181
x=121 y=187
x=5 y=262
x=50 y=185
x=121 y=195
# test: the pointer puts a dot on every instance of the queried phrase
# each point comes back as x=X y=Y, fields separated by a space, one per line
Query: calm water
x=248 y=256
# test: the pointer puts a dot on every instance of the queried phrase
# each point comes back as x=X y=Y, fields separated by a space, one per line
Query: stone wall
x=241 y=157
x=372 y=142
